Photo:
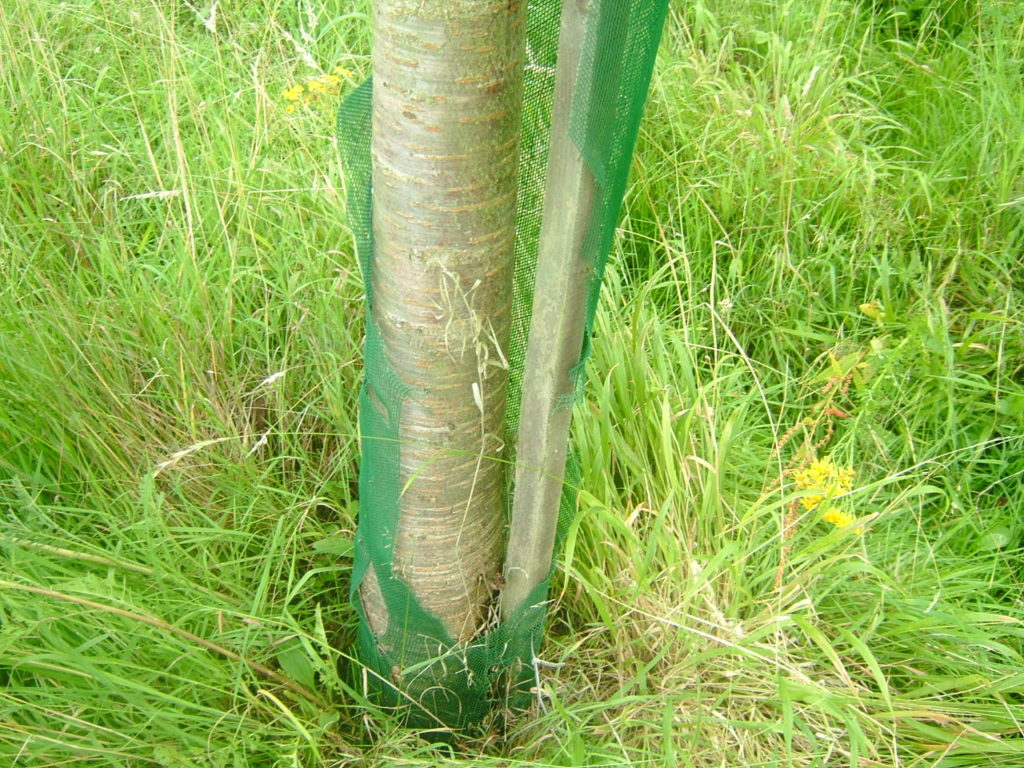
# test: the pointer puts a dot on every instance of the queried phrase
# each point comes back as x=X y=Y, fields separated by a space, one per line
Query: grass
x=180 y=336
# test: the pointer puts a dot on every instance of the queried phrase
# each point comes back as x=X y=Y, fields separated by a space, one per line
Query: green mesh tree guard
x=416 y=664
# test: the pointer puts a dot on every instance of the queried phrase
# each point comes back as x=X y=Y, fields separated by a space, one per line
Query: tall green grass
x=180 y=332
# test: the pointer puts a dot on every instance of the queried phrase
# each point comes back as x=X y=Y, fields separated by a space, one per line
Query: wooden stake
x=555 y=342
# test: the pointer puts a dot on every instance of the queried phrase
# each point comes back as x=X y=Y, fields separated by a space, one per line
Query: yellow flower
x=840 y=519
x=824 y=479
x=823 y=476
x=811 y=500
x=342 y=72
x=312 y=91
x=873 y=310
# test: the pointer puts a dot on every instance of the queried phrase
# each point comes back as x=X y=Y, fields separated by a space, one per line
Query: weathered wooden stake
x=556 y=335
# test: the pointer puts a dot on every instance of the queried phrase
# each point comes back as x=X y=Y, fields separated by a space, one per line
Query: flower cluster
x=838 y=518
x=314 y=89
x=823 y=479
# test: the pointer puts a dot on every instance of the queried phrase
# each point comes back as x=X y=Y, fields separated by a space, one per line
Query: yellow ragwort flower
x=824 y=476
x=873 y=310
x=824 y=479
x=811 y=500
x=304 y=95
x=840 y=519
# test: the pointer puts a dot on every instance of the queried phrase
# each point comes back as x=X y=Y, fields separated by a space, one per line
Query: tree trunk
x=446 y=100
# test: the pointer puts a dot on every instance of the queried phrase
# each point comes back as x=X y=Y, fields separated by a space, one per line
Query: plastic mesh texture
x=415 y=664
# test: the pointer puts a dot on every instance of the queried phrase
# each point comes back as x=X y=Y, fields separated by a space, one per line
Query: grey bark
x=446 y=101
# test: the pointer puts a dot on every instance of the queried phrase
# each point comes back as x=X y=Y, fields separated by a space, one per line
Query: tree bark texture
x=446 y=119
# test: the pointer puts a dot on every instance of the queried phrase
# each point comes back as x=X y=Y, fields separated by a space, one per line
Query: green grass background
x=180 y=332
